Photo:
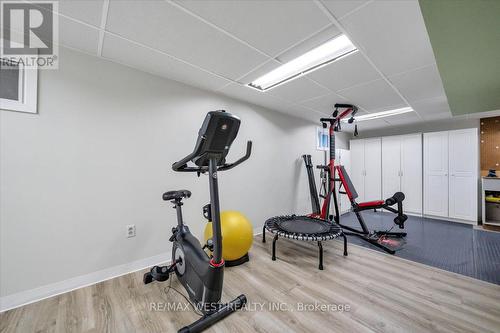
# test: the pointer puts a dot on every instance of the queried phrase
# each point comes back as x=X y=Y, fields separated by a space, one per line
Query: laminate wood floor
x=383 y=293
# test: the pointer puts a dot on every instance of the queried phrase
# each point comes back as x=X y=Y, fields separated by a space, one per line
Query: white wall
x=97 y=157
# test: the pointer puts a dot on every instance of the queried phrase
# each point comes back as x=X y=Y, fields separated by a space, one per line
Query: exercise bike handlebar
x=182 y=165
x=227 y=166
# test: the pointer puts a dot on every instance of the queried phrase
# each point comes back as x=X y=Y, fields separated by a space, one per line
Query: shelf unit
x=489 y=184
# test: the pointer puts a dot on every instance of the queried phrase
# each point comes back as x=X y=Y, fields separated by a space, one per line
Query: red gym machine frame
x=331 y=171
x=334 y=122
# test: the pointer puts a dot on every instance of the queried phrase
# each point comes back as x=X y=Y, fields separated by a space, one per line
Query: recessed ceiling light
x=318 y=57
x=382 y=114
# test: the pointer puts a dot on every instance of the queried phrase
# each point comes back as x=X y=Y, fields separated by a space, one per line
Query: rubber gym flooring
x=451 y=246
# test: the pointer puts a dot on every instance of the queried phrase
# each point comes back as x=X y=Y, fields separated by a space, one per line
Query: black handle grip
x=397 y=197
x=182 y=165
x=325 y=120
x=347 y=106
x=241 y=160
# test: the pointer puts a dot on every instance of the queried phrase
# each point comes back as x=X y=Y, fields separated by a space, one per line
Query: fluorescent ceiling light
x=306 y=63
x=382 y=114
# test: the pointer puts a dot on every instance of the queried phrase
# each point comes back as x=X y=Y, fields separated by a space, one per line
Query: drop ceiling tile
x=345 y=72
x=419 y=84
x=84 y=10
x=270 y=26
x=319 y=38
x=74 y=35
x=403 y=119
x=136 y=56
x=393 y=34
x=304 y=113
x=259 y=71
x=253 y=96
x=340 y=8
x=165 y=27
x=431 y=106
x=324 y=104
x=371 y=124
x=298 y=90
x=372 y=96
x=437 y=116
x=78 y=36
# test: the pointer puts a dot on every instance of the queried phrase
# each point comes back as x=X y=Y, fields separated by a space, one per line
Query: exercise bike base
x=210 y=319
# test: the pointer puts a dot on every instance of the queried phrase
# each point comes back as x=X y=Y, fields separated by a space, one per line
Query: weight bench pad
x=374 y=204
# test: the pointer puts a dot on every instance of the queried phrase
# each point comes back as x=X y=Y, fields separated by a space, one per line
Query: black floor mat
x=455 y=247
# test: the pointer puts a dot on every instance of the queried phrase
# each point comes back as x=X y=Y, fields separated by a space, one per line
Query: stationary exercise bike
x=202 y=276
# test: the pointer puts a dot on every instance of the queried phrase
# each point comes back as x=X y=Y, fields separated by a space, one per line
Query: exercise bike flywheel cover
x=302 y=225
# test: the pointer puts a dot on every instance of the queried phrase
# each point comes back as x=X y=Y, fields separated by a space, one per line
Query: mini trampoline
x=303 y=228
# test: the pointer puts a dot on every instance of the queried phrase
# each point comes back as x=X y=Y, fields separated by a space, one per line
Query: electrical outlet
x=131 y=230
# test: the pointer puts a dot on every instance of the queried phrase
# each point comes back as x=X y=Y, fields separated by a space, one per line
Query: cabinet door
x=391 y=165
x=373 y=169
x=411 y=172
x=463 y=157
x=358 y=167
x=436 y=174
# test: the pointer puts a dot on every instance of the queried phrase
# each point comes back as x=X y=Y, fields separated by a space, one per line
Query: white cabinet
x=451 y=173
x=391 y=165
x=444 y=184
x=343 y=157
x=373 y=170
x=366 y=168
x=402 y=169
x=411 y=172
x=436 y=174
x=357 y=173
x=463 y=171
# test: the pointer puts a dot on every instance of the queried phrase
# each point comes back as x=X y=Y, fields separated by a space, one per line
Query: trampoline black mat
x=303 y=225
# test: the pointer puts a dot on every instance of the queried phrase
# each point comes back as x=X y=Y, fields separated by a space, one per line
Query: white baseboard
x=37 y=294
x=450 y=219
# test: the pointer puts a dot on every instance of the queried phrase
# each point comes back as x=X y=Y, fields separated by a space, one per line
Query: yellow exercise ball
x=237 y=235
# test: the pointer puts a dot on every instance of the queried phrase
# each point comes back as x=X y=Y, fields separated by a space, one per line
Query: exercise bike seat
x=176 y=195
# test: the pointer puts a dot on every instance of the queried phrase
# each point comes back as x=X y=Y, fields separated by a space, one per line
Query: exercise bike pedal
x=147 y=278
x=157 y=273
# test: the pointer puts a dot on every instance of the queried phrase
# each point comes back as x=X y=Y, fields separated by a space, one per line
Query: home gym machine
x=316 y=226
x=201 y=275
x=336 y=173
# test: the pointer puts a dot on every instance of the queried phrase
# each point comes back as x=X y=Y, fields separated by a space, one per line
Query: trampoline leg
x=274 y=247
x=345 y=244
x=320 y=256
x=264 y=234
